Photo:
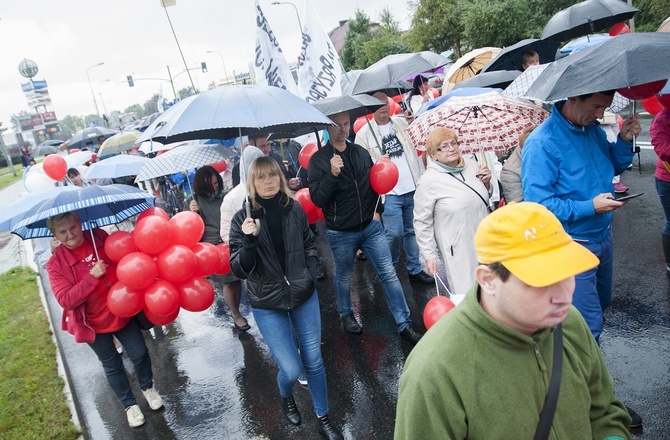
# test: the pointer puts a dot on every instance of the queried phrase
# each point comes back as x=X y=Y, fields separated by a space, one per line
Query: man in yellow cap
x=484 y=370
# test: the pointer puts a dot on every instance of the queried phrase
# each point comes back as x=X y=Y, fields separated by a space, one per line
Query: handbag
x=143 y=321
x=549 y=408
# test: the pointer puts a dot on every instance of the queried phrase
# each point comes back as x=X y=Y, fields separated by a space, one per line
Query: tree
x=353 y=55
x=501 y=23
x=436 y=25
x=651 y=15
x=70 y=124
x=386 y=39
x=185 y=93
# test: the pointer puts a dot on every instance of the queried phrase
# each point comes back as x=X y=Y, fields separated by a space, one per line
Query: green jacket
x=471 y=377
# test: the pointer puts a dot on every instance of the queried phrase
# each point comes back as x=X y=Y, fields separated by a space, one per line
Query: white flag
x=320 y=70
x=269 y=63
x=160 y=101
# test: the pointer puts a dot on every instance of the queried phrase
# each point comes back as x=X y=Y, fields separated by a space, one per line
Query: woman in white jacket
x=451 y=199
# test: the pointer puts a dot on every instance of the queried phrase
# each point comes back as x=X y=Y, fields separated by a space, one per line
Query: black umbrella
x=623 y=61
x=349 y=80
x=498 y=79
x=356 y=105
x=146 y=122
x=585 y=18
x=510 y=57
x=43 y=150
x=88 y=136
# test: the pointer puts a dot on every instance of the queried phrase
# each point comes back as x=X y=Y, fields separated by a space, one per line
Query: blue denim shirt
x=564 y=167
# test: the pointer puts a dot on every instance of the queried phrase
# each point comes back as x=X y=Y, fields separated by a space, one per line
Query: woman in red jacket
x=660 y=139
x=80 y=279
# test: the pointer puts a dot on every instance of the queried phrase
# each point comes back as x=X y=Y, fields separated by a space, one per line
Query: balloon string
x=437 y=286
x=376 y=204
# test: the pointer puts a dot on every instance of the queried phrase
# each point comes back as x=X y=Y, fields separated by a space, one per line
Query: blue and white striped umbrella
x=97 y=206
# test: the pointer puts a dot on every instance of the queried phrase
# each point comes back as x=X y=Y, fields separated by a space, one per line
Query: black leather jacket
x=348 y=200
x=268 y=287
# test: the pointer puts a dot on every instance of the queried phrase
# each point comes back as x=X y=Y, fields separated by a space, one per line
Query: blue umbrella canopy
x=13 y=213
x=229 y=112
x=97 y=206
x=117 y=166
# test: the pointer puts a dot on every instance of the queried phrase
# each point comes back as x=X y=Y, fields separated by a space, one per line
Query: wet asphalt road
x=219 y=384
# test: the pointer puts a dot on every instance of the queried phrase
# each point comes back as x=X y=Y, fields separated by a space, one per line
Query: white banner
x=320 y=70
x=269 y=63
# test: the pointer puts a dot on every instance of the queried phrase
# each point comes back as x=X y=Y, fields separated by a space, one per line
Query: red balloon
x=176 y=263
x=359 y=123
x=619 y=121
x=664 y=100
x=305 y=199
x=398 y=98
x=652 y=105
x=119 y=244
x=207 y=258
x=124 y=302
x=435 y=92
x=161 y=298
x=643 y=90
x=196 y=294
x=225 y=259
x=220 y=167
x=152 y=211
x=436 y=308
x=187 y=228
x=136 y=270
x=312 y=217
x=160 y=319
x=322 y=216
x=152 y=234
x=383 y=176
x=618 y=29
x=306 y=154
x=55 y=167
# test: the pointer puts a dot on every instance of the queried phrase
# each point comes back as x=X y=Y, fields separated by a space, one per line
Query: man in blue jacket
x=568 y=166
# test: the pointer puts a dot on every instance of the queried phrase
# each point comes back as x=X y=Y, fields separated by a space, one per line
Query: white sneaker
x=153 y=398
x=135 y=416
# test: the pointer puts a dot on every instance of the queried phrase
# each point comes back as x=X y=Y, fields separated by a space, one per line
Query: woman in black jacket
x=278 y=260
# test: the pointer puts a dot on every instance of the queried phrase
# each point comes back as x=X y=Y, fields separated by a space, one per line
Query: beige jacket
x=232 y=203
x=510 y=177
x=366 y=139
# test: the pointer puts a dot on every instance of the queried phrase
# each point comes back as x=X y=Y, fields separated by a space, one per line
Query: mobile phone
x=632 y=196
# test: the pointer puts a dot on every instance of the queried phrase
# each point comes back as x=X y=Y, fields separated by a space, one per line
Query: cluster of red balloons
x=436 y=308
x=383 y=176
x=161 y=266
x=313 y=212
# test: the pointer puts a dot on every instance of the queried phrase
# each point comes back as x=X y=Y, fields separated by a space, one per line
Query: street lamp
x=104 y=109
x=296 y=12
x=95 y=103
x=225 y=72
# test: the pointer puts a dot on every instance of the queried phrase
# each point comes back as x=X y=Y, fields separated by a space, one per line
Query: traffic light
x=203 y=65
x=131 y=83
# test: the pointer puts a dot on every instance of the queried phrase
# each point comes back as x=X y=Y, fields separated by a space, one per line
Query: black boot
x=327 y=429
x=666 y=253
x=291 y=410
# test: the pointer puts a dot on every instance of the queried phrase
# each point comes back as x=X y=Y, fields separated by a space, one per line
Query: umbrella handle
x=257 y=221
x=635 y=148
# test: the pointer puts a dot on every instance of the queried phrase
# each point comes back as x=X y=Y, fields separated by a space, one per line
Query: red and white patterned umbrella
x=486 y=122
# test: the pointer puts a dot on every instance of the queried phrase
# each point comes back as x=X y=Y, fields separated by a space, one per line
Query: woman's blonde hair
x=436 y=137
x=263 y=165
x=52 y=222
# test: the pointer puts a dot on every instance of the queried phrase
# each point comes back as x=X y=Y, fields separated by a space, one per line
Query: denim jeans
x=398 y=220
x=278 y=328
x=663 y=190
x=371 y=240
x=593 y=288
x=132 y=340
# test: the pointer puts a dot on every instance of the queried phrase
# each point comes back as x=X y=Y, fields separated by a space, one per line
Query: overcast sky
x=66 y=37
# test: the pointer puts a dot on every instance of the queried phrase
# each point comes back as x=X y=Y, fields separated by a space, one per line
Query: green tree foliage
x=71 y=124
x=353 y=55
x=185 y=93
x=436 y=25
x=652 y=14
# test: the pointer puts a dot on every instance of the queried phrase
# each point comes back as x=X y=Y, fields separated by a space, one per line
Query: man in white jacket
x=385 y=136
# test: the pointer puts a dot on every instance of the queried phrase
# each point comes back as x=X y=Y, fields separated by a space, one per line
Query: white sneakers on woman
x=153 y=398
x=134 y=413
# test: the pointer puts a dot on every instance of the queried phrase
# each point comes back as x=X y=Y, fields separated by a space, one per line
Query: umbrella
x=146 y=122
x=665 y=26
x=13 y=213
x=357 y=105
x=119 y=142
x=522 y=83
x=393 y=68
x=50 y=142
x=72 y=160
x=233 y=111
x=587 y=17
x=580 y=43
x=497 y=79
x=510 y=57
x=183 y=158
x=465 y=91
x=117 y=166
x=624 y=61
x=468 y=66
x=485 y=122
x=88 y=135
x=97 y=206
x=43 y=150
x=150 y=146
x=349 y=81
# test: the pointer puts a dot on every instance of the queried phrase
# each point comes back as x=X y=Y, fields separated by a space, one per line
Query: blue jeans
x=663 y=190
x=593 y=288
x=132 y=340
x=371 y=240
x=278 y=328
x=398 y=220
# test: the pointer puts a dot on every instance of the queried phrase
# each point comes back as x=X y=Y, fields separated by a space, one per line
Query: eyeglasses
x=453 y=145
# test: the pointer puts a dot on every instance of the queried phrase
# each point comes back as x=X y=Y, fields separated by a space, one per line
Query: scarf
x=452 y=170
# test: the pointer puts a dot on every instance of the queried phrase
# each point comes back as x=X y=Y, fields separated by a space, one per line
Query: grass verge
x=7 y=178
x=31 y=391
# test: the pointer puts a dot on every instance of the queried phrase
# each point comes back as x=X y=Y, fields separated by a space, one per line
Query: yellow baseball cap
x=532 y=244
